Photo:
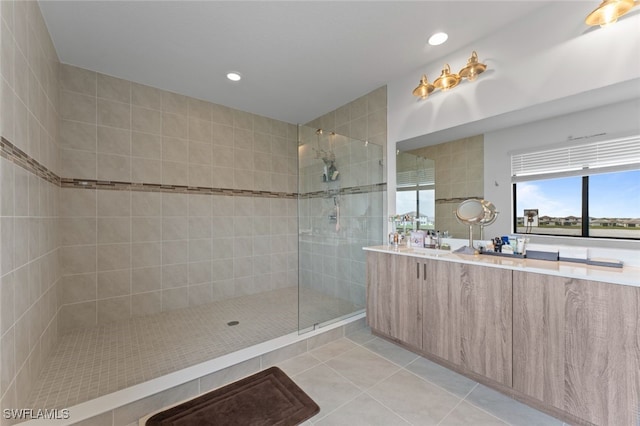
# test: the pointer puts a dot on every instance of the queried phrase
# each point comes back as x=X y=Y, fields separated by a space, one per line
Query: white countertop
x=627 y=275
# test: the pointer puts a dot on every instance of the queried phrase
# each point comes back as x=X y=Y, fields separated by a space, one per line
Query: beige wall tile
x=200 y=176
x=262 y=143
x=174 y=149
x=175 y=103
x=78 y=202
x=113 y=256
x=77 y=288
x=146 y=279
x=222 y=115
x=144 y=170
x=114 y=230
x=146 y=254
x=114 y=283
x=223 y=177
x=146 y=203
x=76 y=135
x=200 y=272
x=114 y=114
x=114 y=203
x=112 y=140
x=174 y=252
x=146 y=120
x=77 y=259
x=114 y=309
x=174 y=173
x=145 y=229
x=200 y=294
x=200 y=130
x=114 y=167
x=146 y=96
x=78 y=164
x=78 y=315
x=146 y=303
x=199 y=109
x=175 y=126
x=175 y=275
x=77 y=231
x=146 y=145
x=200 y=205
x=78 y=107
x=78 y=80
x=175 y=298
x=114 y=88
x=222 y=134
x=222 y=156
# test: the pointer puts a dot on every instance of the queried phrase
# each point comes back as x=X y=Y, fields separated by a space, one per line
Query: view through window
x=608 y=203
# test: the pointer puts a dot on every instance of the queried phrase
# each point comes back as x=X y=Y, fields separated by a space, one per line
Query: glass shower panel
x=340 y=205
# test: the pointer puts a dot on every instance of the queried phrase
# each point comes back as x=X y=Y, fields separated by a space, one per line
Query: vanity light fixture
x=449 y=80
x=473 y=68
x=446 y=80
x=424 y=88
x=609 y=11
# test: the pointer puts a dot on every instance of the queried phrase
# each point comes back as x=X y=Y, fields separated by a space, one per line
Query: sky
x=610 y=195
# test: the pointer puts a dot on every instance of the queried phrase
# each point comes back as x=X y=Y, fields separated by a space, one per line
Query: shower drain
x=230 y=323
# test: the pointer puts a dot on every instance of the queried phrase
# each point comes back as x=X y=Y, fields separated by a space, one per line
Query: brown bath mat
x=269 y=397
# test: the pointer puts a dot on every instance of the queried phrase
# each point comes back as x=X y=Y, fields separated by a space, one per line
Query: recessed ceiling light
x=234 y=76
x=438 y=38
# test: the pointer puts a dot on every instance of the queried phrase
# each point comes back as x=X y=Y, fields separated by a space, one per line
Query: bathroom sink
x=428 y=251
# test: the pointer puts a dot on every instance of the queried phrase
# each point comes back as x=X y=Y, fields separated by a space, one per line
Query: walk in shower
x=340 y=208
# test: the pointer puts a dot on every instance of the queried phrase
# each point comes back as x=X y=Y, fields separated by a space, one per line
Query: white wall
x=619 y=118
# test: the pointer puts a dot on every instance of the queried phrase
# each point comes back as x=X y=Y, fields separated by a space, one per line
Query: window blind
x=588 y=159
x=411 y=178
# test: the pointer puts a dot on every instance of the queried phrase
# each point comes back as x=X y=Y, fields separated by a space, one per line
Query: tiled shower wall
x=134 y=251
x=459 y=175
x=28 y=199
x=333 y=261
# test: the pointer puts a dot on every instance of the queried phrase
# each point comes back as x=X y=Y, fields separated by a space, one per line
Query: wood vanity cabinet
x=394 y=304
x=569 y=346
x=576 y=346
x=467 y=318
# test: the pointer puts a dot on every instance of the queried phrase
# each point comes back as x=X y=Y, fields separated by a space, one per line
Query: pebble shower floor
x=94 y=362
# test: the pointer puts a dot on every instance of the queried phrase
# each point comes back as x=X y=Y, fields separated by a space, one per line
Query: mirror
x=415 y=189
x=457 y=168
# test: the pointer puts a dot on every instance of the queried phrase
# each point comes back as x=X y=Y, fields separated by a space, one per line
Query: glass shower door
x=340 y=205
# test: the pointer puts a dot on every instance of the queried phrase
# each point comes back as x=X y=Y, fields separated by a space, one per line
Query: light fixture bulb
x=234 y=76
x=438 y=38
x=608 y=12
x=446 y=80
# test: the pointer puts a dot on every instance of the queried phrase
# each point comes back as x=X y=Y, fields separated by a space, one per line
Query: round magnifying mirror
x=470 y=211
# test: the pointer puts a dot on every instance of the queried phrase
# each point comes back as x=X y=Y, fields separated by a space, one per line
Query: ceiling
x=299 y=59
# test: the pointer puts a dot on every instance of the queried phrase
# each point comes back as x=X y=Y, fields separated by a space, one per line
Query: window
x=589 y=190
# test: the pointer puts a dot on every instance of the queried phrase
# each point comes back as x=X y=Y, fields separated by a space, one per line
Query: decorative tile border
x=14 y=154
x=20 y=158
x=456 y=200
x=179 y=189
x=364 y=189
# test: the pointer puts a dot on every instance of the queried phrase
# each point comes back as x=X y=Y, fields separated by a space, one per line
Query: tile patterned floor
x=365 y=380
x=90 y=363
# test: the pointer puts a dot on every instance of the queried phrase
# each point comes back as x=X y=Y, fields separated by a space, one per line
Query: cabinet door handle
x=424 y=275
x=418 y=271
